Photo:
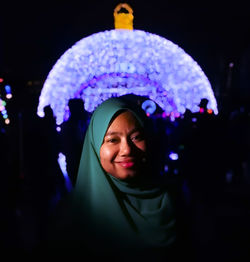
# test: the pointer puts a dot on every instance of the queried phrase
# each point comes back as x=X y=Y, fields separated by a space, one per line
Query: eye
x=112 y=140
x=137 y=137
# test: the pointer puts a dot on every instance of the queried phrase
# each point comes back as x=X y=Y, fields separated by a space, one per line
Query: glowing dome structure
x=124 y=61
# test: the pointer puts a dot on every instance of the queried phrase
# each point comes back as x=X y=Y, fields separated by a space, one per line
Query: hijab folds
x=112 y=212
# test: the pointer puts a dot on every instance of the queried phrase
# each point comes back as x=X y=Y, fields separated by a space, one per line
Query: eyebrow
x=111 y=133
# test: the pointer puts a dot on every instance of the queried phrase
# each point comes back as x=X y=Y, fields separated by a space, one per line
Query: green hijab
x=114 y=213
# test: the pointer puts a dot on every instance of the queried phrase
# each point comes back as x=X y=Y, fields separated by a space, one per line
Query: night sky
x=35 y=34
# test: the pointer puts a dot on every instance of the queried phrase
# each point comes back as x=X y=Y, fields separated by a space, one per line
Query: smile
x=126 y=164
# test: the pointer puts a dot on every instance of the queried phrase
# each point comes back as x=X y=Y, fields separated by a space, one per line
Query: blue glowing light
x=173 y=156
x=62 y=163
x=119 y=62
x=149 y=106
x=194 y=119
x=7 y=89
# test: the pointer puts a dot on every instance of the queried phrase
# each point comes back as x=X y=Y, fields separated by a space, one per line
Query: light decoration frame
x=120 y=61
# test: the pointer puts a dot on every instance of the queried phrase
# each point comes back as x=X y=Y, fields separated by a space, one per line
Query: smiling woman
x=123 y=150
x=119 y=203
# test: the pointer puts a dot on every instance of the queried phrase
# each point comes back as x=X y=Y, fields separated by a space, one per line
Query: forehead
x=123 y=122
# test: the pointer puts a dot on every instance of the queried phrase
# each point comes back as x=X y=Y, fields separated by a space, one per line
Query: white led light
x=119 y=62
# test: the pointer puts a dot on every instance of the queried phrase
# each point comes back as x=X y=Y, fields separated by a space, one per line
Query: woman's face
x=123 y=151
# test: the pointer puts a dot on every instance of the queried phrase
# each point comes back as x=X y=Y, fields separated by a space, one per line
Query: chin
x=129 y=177
x=126 y=176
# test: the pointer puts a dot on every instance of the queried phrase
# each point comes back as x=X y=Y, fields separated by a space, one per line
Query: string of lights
x=5 y=91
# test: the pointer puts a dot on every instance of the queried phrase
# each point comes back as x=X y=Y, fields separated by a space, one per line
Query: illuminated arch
x=118 y=62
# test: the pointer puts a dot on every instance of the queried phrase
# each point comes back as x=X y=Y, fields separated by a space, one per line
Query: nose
x=125 y=147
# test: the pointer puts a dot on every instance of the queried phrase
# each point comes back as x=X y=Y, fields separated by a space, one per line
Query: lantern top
x=123 y=20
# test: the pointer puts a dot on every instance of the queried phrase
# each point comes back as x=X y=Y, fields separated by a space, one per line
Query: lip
x=126 y=164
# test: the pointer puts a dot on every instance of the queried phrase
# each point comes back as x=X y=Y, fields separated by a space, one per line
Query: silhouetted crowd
x=206 y=154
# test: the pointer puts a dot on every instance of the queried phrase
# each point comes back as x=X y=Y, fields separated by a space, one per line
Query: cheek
x=106 y=154
x=142 y=146
x=106 y=157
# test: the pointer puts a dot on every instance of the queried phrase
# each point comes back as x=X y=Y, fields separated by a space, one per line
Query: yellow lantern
x=123 y=20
